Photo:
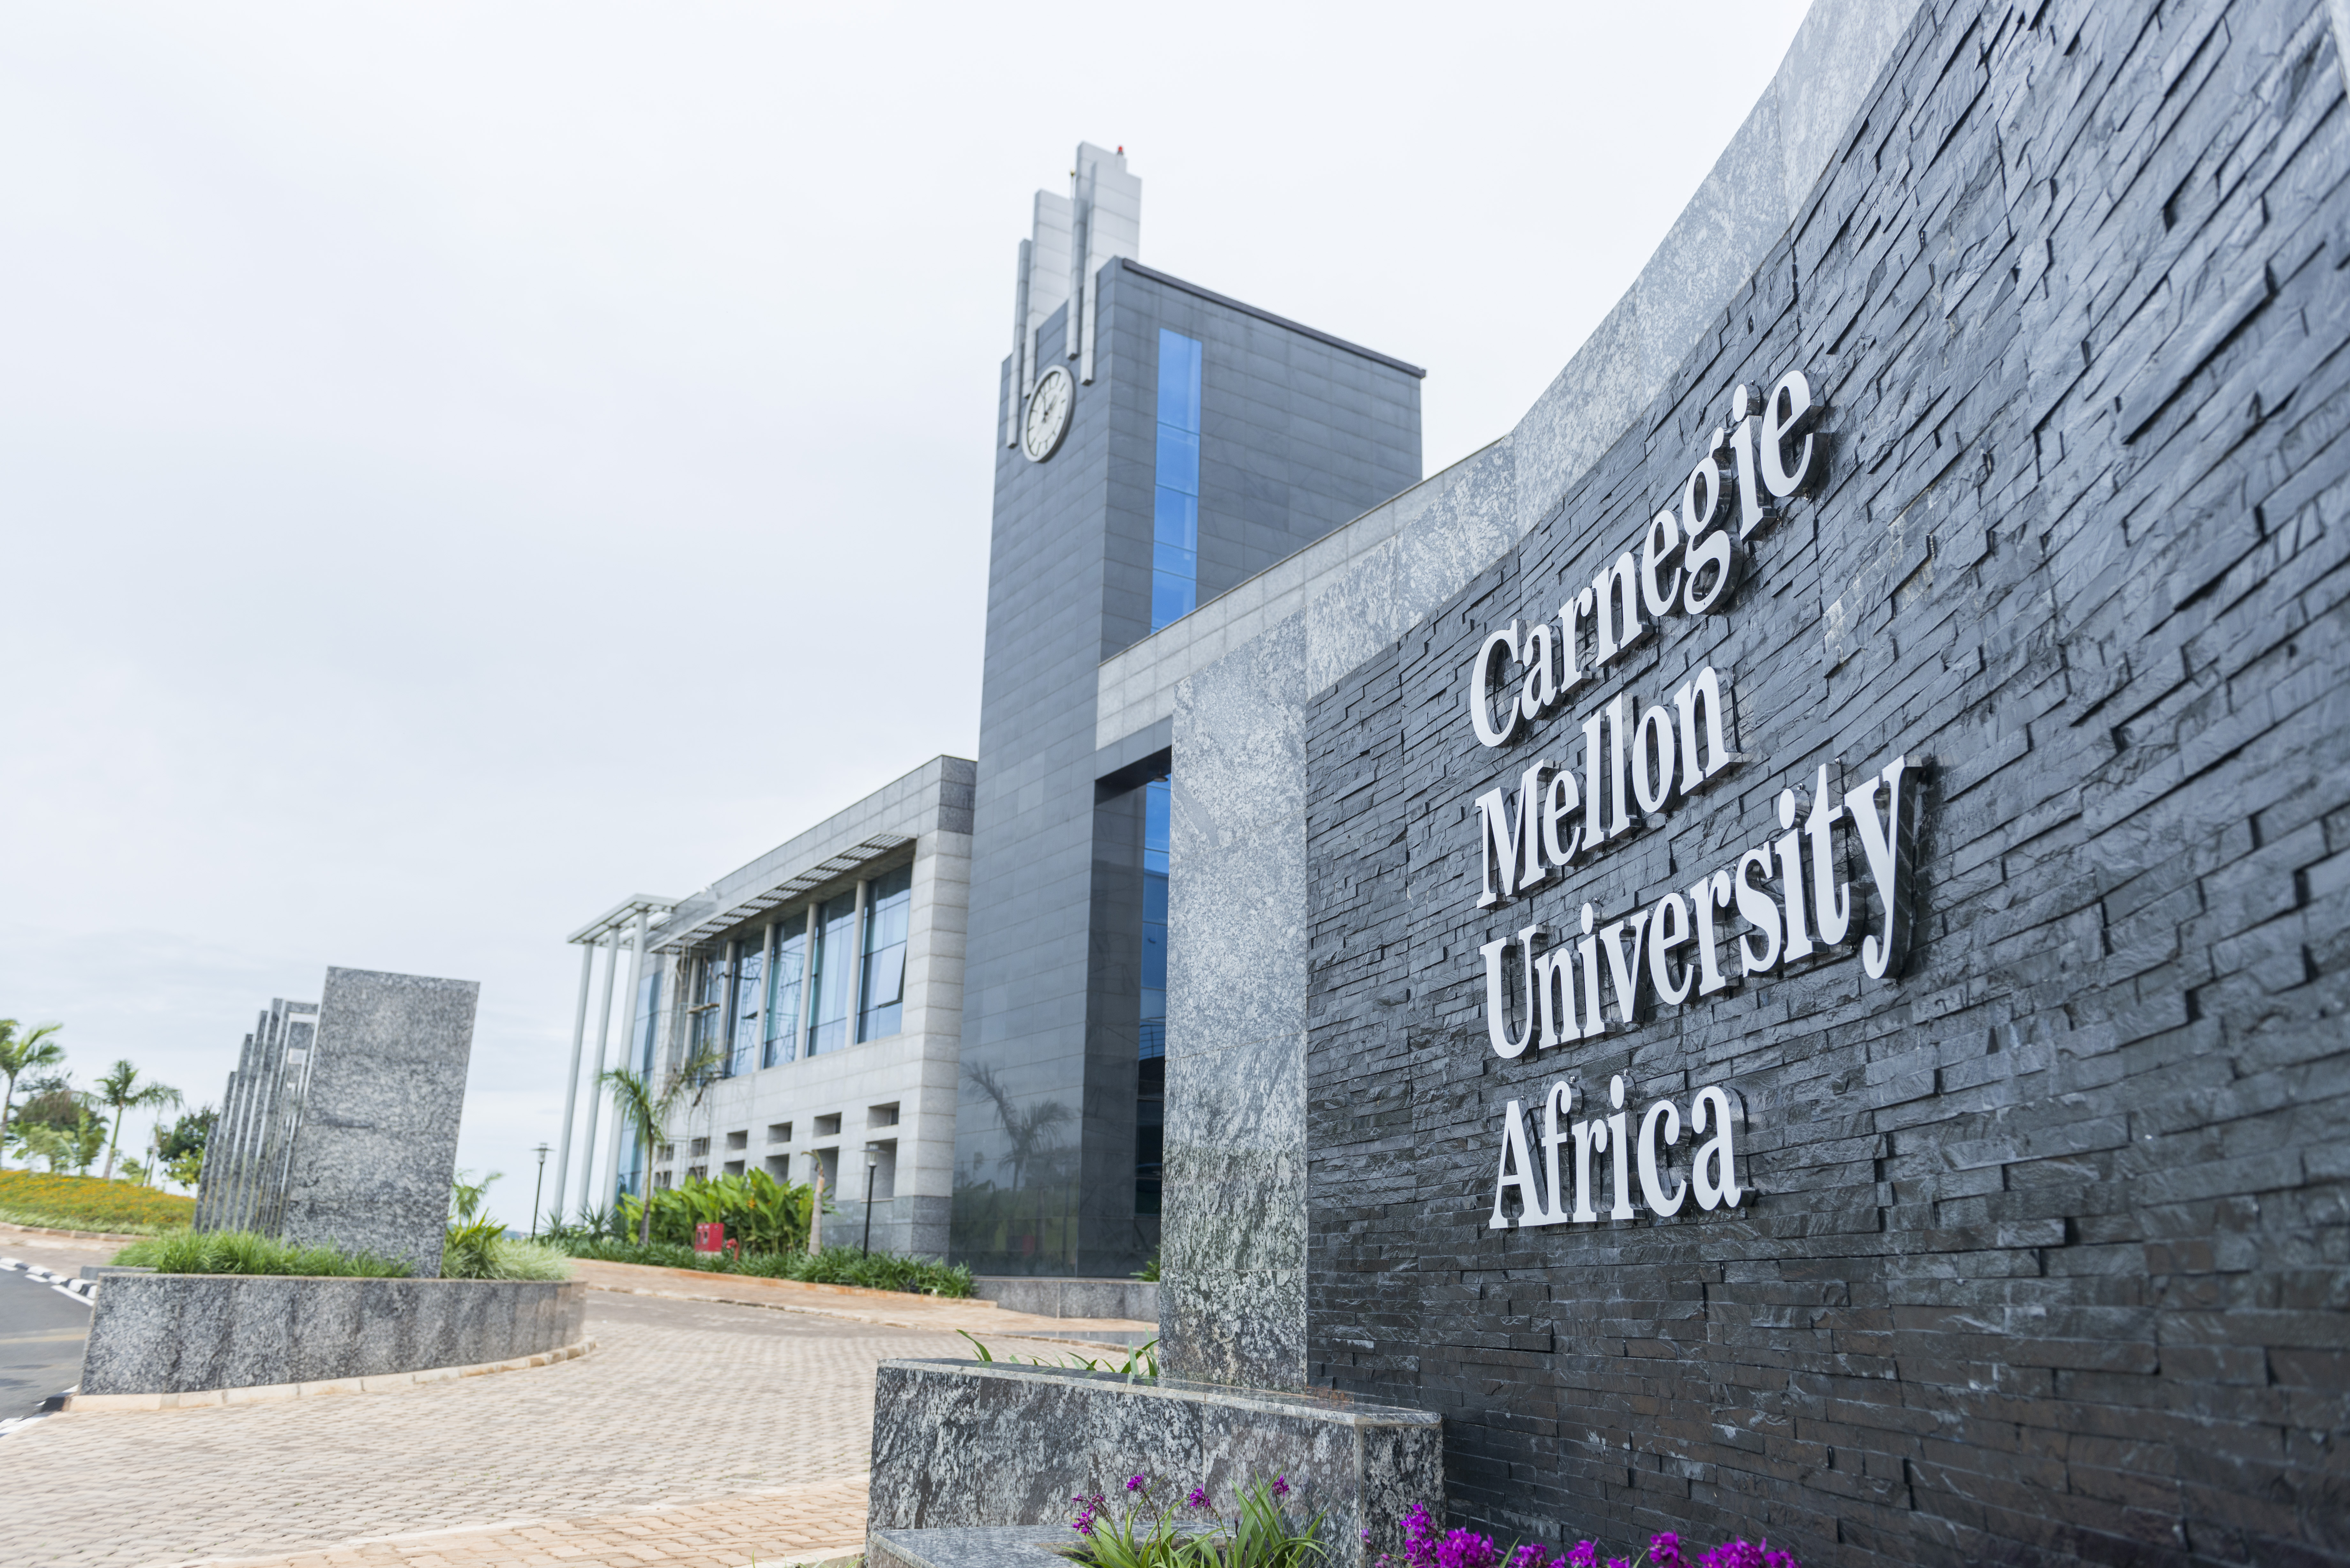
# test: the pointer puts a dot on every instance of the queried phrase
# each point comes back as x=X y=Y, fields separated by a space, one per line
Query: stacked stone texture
x=2050 y=1255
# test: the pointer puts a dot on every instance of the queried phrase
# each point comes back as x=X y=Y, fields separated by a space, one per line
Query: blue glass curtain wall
x=1175 y=507
x=890 y=900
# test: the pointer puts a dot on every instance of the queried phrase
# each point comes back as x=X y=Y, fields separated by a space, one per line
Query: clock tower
x=1157 y=443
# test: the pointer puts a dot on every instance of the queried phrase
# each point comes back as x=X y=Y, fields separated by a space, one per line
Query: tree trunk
x=111 y=1139
x=645 y=1232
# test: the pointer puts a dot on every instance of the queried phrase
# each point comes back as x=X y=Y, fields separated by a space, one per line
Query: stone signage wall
x=2036 y=1245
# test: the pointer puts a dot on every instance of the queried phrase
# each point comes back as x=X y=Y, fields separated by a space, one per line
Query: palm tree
x=22 y=1054
x=635 y=1103
x=119 y=1091
x=1033 y=1131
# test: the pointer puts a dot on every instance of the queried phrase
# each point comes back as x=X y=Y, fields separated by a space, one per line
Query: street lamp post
x=537 y=1188
x=872 y=1162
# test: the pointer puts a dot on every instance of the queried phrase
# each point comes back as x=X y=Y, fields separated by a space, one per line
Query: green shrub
x=243 y=1252
x=760 y=1213
x=833 y=1266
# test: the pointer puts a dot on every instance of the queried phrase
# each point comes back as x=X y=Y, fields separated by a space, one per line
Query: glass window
x=1175 y=506
x=891 y=900
x=832 y=970
x=1156 y=804
x=709 y=1009
x=784 y=972
x=648 y=1020
x=750 y=978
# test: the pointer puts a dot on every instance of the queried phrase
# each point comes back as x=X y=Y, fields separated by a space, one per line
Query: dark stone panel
x=2049 y=1254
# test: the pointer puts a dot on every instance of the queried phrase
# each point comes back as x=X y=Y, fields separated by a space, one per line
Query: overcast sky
x=463 y=464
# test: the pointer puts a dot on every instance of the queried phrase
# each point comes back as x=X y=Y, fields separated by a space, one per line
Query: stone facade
x=1232 y=682
x=2046 y=1257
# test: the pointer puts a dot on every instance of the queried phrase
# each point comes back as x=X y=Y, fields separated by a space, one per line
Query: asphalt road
x=41 y=1334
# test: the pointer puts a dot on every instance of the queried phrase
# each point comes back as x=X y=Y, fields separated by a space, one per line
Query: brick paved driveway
x=699 y=1433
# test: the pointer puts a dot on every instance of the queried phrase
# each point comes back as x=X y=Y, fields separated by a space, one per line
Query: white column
x=571 y=1083
x=603 y=1043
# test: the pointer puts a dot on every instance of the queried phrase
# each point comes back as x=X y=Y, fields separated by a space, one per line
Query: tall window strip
x=889 y=900
x=832 y=974
x=1151 y=1079
x=648 y=1020
x=1154 y=918
x=784 y=968
x=1175 y=506
x=750 y=982
x=708 y=1010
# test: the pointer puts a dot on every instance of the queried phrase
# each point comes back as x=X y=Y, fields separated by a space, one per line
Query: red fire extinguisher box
x=709 y=1237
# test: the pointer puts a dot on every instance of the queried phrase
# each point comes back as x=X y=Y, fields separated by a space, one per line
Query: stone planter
x=960 y=1445
x=178 y=1334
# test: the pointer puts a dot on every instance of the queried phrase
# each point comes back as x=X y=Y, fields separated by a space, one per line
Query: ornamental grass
x=1142 y=1528
x=243 y=1252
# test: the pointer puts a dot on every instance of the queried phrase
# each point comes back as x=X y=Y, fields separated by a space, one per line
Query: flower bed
x=1423 y=1547
x=87 y=1203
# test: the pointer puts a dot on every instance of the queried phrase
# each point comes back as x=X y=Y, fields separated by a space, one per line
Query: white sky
x=461 y=464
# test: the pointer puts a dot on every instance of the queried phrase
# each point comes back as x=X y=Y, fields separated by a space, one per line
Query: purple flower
x=1198 y=1498
x=1281 y=1486
x=1619 y=1563
x=1467 y=1549
x=1134 y=1483
x=1665 y=1551
x=1585 y=1555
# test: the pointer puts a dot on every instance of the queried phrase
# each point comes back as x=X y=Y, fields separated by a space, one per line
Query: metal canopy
x=780 y=893
x=613 y=924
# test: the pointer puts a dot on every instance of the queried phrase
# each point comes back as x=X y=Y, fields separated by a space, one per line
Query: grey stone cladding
x=371 y=1161
x=2050 y=1255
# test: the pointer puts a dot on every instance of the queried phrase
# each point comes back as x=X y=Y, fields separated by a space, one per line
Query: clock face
x=1048 y=415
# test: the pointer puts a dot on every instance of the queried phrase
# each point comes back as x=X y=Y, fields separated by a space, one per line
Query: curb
x=270 y=1393
x=10 y=1228
x=80 y=1290
x=843 y=1313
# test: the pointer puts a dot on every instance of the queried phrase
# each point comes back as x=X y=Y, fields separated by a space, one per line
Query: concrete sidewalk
x=896 y=1309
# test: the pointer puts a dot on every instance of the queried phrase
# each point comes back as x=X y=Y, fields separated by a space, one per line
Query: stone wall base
x=199 y=1334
